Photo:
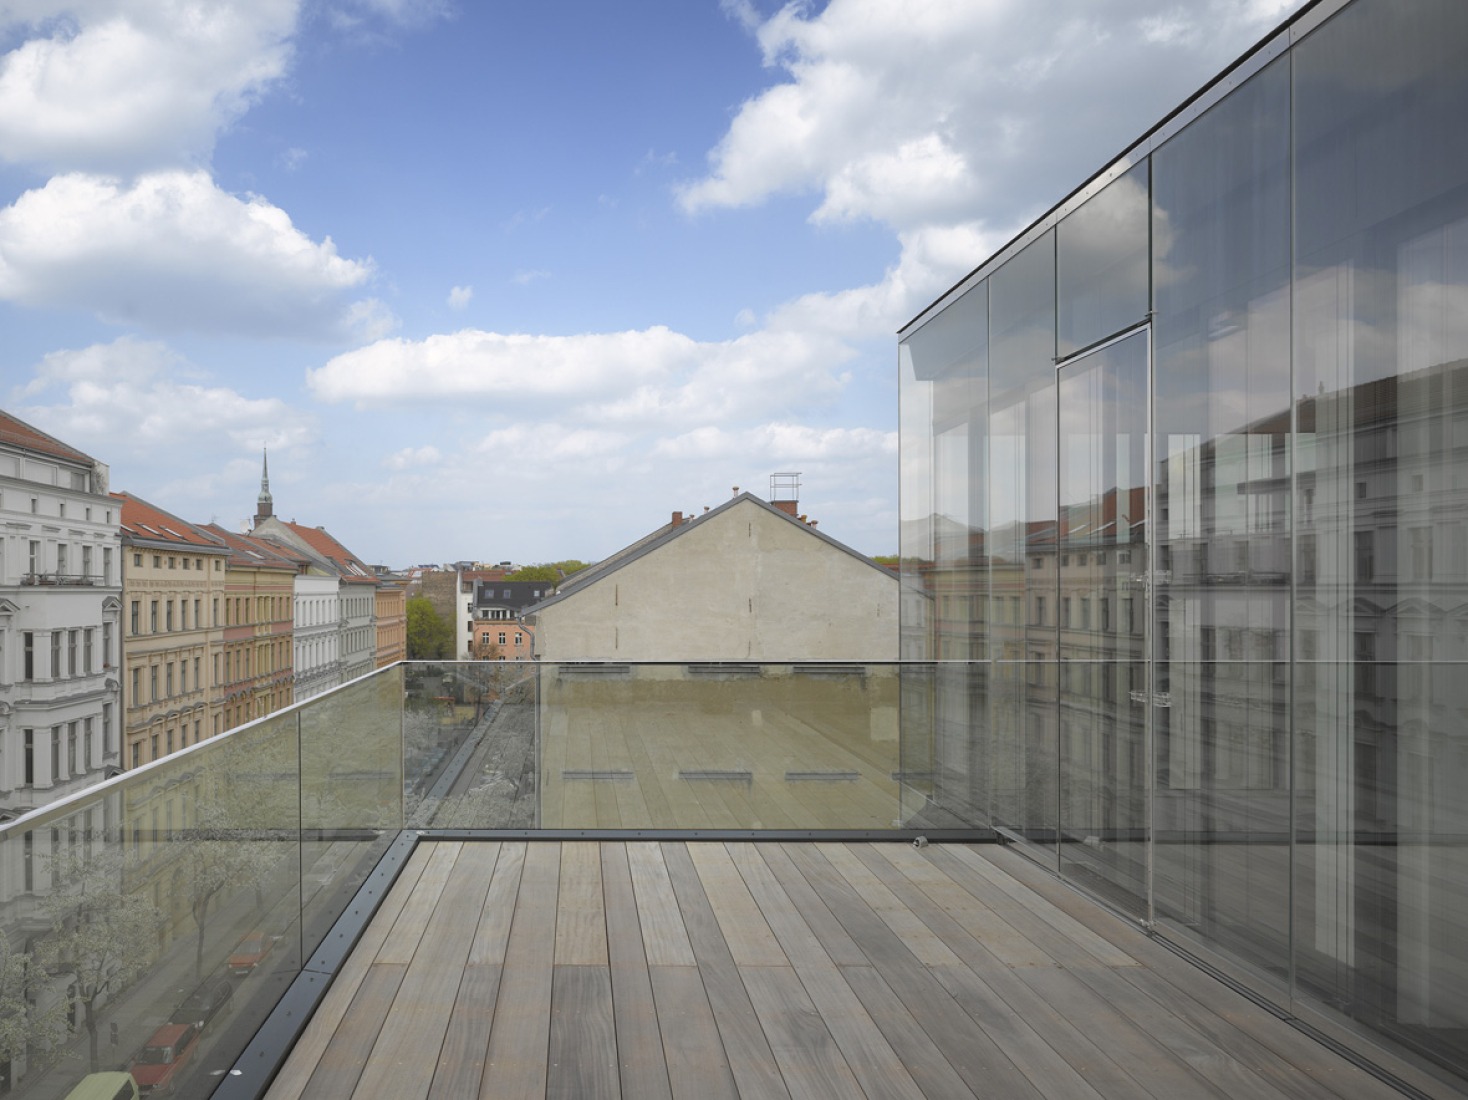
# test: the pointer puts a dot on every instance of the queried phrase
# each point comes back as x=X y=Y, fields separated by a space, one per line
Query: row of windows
x=66 y=560
x=78 y=481
x=168 y=681
x=73 y=653
x=175 y=561
x=74 y=748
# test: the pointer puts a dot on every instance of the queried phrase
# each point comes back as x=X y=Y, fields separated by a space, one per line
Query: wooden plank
x=520 y=1036
x=1335 y=1073
x=983 y=1066
x=750 y=1059
x=407 y=931
x=750 y=940
x=466 y=1042
x=876 y=1065
x=929 y=949
x=698 y=1067
x=839 y=946
x=583 y=1040
x=790 y=929
x=644 y=1070
x=406 y=1055
x=809 y=1059
x=581 y=922
x=492 y=939
x=990 y=928
x=295 y=1075
x=340 y=1067
x=664 y=938
x=921 y=1058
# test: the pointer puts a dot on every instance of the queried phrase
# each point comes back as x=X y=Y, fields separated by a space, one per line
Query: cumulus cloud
x=411 y=457
x=141 y=398
x=652 y=375
x=172 y=251
x=130 y=85
x=958 y=110
x=460 y=296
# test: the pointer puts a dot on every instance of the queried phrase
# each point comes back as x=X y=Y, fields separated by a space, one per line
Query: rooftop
x=646 y=969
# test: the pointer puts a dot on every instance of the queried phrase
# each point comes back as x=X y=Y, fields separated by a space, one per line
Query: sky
x=507 y=281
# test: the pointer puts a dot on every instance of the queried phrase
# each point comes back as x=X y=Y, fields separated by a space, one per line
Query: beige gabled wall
x=740 y=584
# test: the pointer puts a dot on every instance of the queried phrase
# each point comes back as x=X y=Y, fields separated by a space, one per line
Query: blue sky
x=514 y=281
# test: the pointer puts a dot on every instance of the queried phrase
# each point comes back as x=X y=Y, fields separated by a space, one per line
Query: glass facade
x=1185 y=529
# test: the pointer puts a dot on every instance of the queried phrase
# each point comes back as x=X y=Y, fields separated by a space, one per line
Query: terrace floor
x=708 y=969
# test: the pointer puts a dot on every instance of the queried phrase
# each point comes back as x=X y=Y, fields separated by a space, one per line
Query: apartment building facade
x=173 y=593
x=1185 y=528
x=60 y=588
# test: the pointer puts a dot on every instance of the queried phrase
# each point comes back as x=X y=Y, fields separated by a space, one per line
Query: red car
x=161 y=1062
x=250 y=952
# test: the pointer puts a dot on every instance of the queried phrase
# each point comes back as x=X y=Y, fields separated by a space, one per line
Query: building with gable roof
x=174 y=593
x=60 y=583
x=747 y=581
x=356 y=585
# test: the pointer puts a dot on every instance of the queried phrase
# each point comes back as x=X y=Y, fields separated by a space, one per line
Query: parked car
x=250 y=952
x=203 y=1004
x=161 y=1062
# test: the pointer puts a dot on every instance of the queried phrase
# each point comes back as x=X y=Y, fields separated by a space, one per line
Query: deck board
x=707 y=969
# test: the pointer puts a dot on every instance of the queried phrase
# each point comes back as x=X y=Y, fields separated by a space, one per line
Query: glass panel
x=1101 y=264
x=351 y=791
x=1381 y=91
x=719 y=746
x=1221 y=812
x=1021 y=552
x=1103 y=711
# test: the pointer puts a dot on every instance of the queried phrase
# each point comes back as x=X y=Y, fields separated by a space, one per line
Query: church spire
x=264 y=504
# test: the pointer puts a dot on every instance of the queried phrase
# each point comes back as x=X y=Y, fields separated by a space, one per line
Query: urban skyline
x=447 y=261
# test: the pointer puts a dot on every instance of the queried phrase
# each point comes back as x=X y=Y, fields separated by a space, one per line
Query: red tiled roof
x=347 y=563
x=18 y=433
x=144 y=522
x=252 y=553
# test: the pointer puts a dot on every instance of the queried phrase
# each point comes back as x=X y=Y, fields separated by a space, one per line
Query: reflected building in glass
x=1185 y=529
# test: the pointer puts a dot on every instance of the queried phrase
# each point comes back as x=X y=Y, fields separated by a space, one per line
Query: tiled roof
x=144 y=522
x=351 y=568
x=251 y=553
x=18 y=433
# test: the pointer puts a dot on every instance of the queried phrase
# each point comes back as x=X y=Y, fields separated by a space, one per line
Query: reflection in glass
x=1102 y=266
x=1102 y=672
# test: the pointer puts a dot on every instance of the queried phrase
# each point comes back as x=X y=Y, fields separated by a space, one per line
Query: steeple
x=264 y=505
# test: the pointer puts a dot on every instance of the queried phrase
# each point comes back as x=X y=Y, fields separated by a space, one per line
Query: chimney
x=789 y=507
x=677 y=519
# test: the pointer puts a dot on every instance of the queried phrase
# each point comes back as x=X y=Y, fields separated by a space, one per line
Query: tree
x=218 y=859
x=25 y=1024
x=429 y=637
x=554 y=572
x=101 y=938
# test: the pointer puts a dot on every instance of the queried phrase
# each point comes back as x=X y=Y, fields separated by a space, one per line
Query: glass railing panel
x=351 y=791
x=719 y=745
x=161 y=908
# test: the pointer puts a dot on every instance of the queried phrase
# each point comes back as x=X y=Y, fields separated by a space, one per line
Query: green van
x=105 y=1086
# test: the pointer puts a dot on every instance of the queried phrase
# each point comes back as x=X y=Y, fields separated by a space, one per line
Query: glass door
x=1103 y=608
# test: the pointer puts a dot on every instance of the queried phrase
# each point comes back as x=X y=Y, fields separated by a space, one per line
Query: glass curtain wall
x=1221 y=491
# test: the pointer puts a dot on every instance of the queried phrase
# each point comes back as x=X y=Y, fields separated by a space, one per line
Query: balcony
x=594 y=880
x=64 y=580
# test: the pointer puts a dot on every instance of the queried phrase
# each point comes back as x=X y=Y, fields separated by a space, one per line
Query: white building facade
x=60 y=606
x=317 y=634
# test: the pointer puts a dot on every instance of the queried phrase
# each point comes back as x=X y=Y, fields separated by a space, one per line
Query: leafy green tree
x=554 y=571
x=430 y=638
x=25 y=1025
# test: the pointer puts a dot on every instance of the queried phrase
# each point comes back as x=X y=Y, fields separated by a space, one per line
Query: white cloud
x=651 y=376
x=409 y=457
x=460 y=296
x=140 y=399
x=172 y=251
x=960 y=110
x=134 y=84
x=525 y=278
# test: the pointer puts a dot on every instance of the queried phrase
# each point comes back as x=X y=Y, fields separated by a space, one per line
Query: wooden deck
x=705 y=969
